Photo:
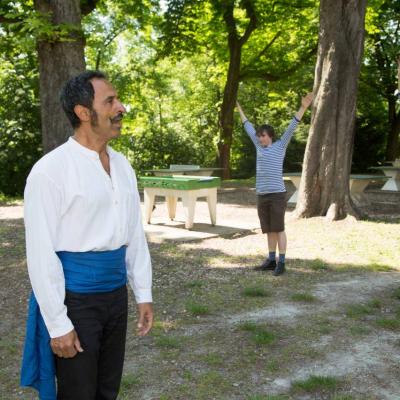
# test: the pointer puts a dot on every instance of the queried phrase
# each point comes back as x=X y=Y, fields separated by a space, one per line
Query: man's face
x=107 y=113
x=264 y=139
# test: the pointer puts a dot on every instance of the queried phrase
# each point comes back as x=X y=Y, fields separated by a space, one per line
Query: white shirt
x=72 y=204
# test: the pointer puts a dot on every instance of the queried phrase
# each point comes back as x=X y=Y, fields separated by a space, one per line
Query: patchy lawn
x=328 y=329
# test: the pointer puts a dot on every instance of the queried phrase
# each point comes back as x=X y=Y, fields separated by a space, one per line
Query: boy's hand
x=307 y=100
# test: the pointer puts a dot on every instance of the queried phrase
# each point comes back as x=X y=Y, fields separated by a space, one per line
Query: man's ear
x=83 y=113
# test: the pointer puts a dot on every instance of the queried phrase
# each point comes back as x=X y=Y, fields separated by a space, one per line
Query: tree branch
x=265 y=49
x=249 y=73
x=87 y=6
x=249 y=6
x=230 y=20
x=290 y=5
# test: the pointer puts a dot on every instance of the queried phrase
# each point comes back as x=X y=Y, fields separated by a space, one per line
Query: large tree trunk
x=324 y=188
x=58 y=61
x=227 y=109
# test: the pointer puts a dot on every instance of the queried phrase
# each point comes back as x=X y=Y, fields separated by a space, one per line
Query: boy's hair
x=79 y=90
x=268 y=129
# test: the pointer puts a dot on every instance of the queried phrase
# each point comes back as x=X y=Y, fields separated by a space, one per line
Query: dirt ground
x=328 y=329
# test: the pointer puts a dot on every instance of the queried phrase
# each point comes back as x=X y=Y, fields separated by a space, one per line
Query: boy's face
x=264 y=139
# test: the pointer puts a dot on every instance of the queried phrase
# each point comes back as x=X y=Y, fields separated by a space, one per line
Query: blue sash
x=85 y=272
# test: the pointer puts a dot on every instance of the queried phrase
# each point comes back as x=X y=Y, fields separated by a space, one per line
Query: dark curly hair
x=79 y=90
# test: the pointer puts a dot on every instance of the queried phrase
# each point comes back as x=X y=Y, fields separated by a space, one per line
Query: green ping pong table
x=188 y=188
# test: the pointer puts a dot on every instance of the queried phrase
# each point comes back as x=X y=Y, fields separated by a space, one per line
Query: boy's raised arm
x=241 y=113
x=305 y=103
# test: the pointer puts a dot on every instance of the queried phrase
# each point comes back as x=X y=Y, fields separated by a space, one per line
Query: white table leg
x=149 y=197
x=393 y=183
x=171 y=205
x=296 y=182
x=189 y=203
x=212 y=204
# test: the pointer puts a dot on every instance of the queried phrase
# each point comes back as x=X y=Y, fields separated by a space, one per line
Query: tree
x=61 y=56
x=380 y=67
x=324 y=188
x=60 y=43
x=259 y=30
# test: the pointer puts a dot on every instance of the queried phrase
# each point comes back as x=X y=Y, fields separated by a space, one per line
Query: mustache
x=117 y=118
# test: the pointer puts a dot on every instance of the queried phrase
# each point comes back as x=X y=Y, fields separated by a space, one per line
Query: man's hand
x=66 y=346
x=145 y=319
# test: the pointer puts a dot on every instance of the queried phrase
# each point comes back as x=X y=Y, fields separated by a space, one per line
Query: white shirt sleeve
x=138 y=261
x=42 y=204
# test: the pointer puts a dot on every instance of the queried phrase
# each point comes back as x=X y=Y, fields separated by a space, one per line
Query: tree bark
x=324 y=188
x=59 y=60
x=227 y=109
x=235 y=44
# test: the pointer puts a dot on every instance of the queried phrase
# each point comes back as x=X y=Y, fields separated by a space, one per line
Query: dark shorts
x=271 y=209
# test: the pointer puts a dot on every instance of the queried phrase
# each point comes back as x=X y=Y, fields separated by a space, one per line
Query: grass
x=303 y=297
x=359 y=330
x=316 y=383
x=388 y=323
x=183 y=359
x=168 y=342
x=260 y=335
x=195 y=284
x=318 y=265
x=213 y=359
x=128 y=383
x=197 y=309
x=357 y=311
x=6 y=200
x=375 y=303
x=256 y=291
x=396 y=293
x=267 y=397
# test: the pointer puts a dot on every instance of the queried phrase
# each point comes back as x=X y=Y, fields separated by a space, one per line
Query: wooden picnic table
x=188 y=188
x=358 y=183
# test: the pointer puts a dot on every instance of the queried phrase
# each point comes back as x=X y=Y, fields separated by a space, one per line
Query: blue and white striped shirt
x=269 y=177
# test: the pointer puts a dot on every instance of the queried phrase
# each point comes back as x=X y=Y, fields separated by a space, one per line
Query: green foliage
x=20 y=139
x=169 y=62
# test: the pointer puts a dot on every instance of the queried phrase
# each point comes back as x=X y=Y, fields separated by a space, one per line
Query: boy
x=271 y=191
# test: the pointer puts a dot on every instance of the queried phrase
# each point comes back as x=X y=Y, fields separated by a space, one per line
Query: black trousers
x=100 y=320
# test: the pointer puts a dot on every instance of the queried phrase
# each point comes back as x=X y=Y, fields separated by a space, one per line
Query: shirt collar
x=88 y=152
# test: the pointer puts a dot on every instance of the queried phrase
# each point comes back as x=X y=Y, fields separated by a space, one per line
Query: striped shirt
x=269 y=177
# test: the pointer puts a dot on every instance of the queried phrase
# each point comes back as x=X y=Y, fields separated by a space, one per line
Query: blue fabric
x=38 y=366
x=272 y=255
x=282 y=258
x=94 y=271
x=85 y=272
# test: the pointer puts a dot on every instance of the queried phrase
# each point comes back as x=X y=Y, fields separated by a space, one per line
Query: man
x=84 y=241
x=271 y=191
